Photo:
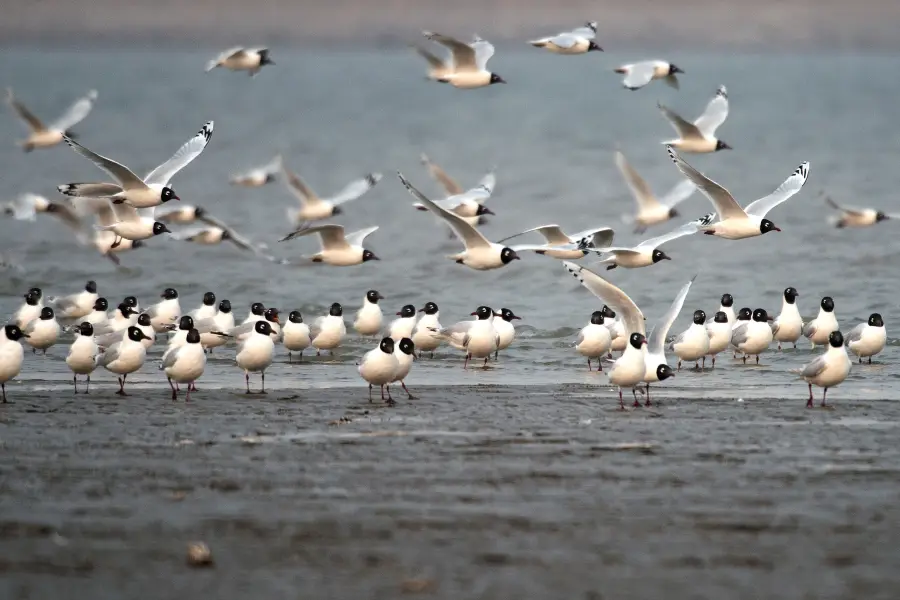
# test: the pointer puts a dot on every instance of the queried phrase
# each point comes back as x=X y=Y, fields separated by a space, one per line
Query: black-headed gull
x=315 y=208
x=254 y=354
x=405 y=353
x=378 y=367
x=597 y=237
x=818 y=330
x=45 y=136
x=505 y=329
x=753 y=337
x=11 y=354
x=639 y=74
x=469 y=62
x=647 y=252
x=594 y=339
x=75 y=306
x=27 y=206
x=404 y=324
x=295 y=335
x=242 y=59
x=82 y=356
x=652 y=210
x=30 y=310
x=692 y=344
x=184 y=364
x=258 y=176
x=369 y=317
x=577 y=41
x=854 y=216
x=736 y=223
x=338 y=249
x=424 y=336
x=719 y=331
x=328 y=331
x=42 y=332
x=829 y=369
x=788 y=325
x=867 y=339
x=700 y=136
x=124 y=357
x=478 y=338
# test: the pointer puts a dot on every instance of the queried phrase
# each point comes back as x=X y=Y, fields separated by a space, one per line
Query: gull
x=124 y=357
x=478 y=338
x=106 y=242
x=369 y=317
x=45 y=136
x=405 y=353
x=143 y=323
x=207 y=309
x=505 y=329
x=616 y=330
x=338 y=249
x=255 y=353
x=98 y=316
x=75 y=306
x=577 y=41
x=378 y=367
x=423 y=335
x=82 y=356
x=829 y=369
x=214 y=235
x=246 y=329
x=597 y=237
x=183 y=215
x=404 y=325
x=736 y=223
x=178 y=337
x=258 y=176
x=135 y=224
x=30 y=310
x=42 y=332
x=224 y=321
x=122 y=318
x=27 y=206
x=639 y=74
x=469 y=204
x=867 y=339
x=469 y=62
x=295 y=334
x=700 y=136
x=788 y=325
x=11 y=355
x=328 y=332
x=719 y=331
x=184 y=364
x=744 y=316
x=450 y=185
x=753 y=337
x=438 y=68
x=480 y=254
x=726 y=305
x=852 y=216
x=594 y=339
x=693 y=343
x=165 y=312
x=650 y=209
x=257 y=313
x=152 y=190
x=315 y=208
x=647 y=252
x=242 y=59
x=657 y=366
x=818 y=330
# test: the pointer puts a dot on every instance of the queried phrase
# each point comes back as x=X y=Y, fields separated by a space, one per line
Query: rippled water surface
x=522 y=480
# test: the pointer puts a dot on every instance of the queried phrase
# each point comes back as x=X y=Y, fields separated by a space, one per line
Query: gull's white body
x=423 y=336
x=42 y=333
x=594 y=340
x=329 y=332
x=818 y=330
x=378 y=368
x=82 y=356
x=123 y=357
x=865 y=340
x=369 y=318
x=788 y=325
x=693 y=343
x=11 y=356
x=719 y=337
x=295 y=336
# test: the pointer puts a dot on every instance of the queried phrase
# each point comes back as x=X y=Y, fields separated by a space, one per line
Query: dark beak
x=516 y=318
x=175 y=197
x=500 y=79
x=420 y=310
x=25 y=335
x=373 y=257
x=726 y=146
x=472 y=315
x=166 y=229
x=777 y=229
x=163 y=295
x=398 y=314
x=380 y=297
x=486 y=211
x=676 y=69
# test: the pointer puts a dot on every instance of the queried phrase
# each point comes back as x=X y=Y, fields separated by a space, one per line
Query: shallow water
x=740 y=489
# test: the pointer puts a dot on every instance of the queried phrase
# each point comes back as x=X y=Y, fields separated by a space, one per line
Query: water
x=465 y=497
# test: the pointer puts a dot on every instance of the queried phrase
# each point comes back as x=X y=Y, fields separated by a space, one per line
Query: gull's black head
x=507 y=255
x=169 y=294
x=483 y=210
x=225 y=306
x=836 y=339
x=101 y=304
x=263 y=328
x=594 y=47
x=86 y=329
x=168 y=194
x=264 y=58
x=637 y=340
x=720 y=145
x=875 y=320
x=136 y=335
x=765 y=226
x=193 y=337
x=608 y=312
x=699 y=317
x=13 y=333
x=720 y=317
x=199 y=213
x=126 y=310
x=272 y=315
x=827 y=304
x=483 y=312
x=673 y=69
x=373 y=296
x=673 y=213
x=790 y=295
x=336 y=310
x=46 y=313
x=159 y=228
x=130 y=301
x=32 y=299
x=880 y=216
x=663 y=372
x=407 y=346
x=337 y=210
x=597 y=317
x=209 y=299
x=496 y=79
x=407 y=311
x=727 y=300
x=430 y=308
x=508 y=315
x=36 y=291
x=368 y=255
x=760 y=315
x=745 y=314
x=226 y=235
x=186 y=323
x=144 y=320
x=137 y=244
x=257 y=308
x=295 y=317
x=659 y=255
x=91 y=287
x=387 y=345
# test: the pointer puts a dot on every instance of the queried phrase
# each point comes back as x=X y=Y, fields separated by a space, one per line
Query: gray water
x=466 y=497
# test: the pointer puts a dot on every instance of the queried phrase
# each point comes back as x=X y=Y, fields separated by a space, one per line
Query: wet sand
x=467 y=492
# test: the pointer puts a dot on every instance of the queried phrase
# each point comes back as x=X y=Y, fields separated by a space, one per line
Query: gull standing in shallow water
x=754 y=336
x=328 y=331
x=829 y=369
x=405 y=353
x=124 y=357
x=788 y=325
x=867 y=339
x=295 y=334
x=478 y=338
x=184 y=364
x=505 y=329
x=818 y=330
x=82 y=357
x=423 y=336
x=11 y=355
x=693 y=343
x=719 y=331
x=255 y=353
x=369 y=317
x=378 y=367
x=594 y=340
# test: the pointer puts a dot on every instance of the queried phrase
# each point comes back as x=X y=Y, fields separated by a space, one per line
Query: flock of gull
x=125 y=216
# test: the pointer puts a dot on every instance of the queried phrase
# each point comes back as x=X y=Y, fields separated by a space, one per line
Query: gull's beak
x=644 y=342
x=25 y=335
x=380 y=297
x=487 y=211
x=175 y=197
x=421 y=310
x=778 y=229
x=472 y=315
x=516 y=318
